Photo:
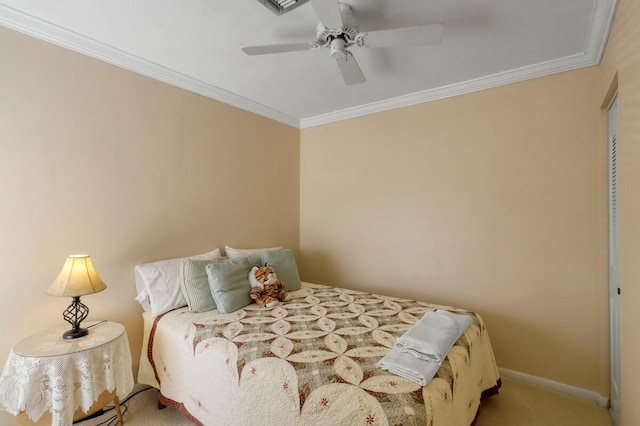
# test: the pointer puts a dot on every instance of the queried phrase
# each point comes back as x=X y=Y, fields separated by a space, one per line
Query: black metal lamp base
x=75 y=333
x=74 y=315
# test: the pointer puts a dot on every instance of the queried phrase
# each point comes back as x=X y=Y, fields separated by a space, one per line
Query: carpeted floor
x=518 y=404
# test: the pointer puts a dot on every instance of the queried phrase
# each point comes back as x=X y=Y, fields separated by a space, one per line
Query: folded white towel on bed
x=420 y=351
x=409 y=367
x=431 y=338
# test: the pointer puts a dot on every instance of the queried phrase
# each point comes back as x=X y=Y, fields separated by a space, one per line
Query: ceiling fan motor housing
x=339 y=39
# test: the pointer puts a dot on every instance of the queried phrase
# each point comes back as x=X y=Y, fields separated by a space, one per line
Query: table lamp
x=77 y=278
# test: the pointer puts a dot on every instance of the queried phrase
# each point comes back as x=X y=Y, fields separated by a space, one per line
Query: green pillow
x=255 y=259
x=229 y=284
x=195 y=285
x=283 y=262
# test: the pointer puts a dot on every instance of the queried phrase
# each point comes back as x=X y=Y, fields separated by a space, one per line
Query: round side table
x=48 y=374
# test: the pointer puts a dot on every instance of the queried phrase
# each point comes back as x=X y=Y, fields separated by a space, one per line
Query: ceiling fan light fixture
x=280 y=7
x=338 y=48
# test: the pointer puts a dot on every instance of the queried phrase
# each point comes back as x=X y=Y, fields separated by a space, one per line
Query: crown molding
x=43 y=30
x=596 y=41
x=604 y=12
x=494 y=80
x=601 y=21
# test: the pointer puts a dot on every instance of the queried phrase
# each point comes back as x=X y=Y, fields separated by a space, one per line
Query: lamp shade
x=77 y=278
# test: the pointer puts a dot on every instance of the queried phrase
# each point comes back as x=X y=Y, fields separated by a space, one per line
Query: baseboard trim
x=556 y=386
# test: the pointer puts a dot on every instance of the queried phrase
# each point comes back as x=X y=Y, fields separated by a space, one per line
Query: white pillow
x=158 y=283
x=234 y=253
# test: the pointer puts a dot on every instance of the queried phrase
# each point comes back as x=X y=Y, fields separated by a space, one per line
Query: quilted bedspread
x=313 y=361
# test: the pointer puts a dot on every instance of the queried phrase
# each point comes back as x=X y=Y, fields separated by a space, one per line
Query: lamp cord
x=98 y=323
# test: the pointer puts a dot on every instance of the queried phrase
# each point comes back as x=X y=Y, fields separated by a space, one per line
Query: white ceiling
x=195 y=45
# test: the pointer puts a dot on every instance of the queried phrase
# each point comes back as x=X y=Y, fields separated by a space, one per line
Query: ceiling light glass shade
x=77 y=278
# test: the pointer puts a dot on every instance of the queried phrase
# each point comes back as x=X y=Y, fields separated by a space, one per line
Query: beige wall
x=494 y=201
x=100 y=160
x=622 y=56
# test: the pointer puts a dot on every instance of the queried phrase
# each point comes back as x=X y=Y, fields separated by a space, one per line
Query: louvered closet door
x=614 y=277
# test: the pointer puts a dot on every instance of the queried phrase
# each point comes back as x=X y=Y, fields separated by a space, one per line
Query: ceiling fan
x=338 y=31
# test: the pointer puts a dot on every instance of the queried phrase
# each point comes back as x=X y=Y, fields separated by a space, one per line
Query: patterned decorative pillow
x=283 y=262
x=195 y=285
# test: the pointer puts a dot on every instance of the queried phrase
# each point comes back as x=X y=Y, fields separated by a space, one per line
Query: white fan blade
x=421 y=35
x=328 y=12
x=350 y=69
x=277 y=48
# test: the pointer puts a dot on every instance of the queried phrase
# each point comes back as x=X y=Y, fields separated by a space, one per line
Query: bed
x=312 y=360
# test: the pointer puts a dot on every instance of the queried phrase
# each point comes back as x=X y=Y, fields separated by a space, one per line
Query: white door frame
x=614 y=276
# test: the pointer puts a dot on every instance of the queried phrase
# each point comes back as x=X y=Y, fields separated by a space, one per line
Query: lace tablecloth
x=44 y=372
